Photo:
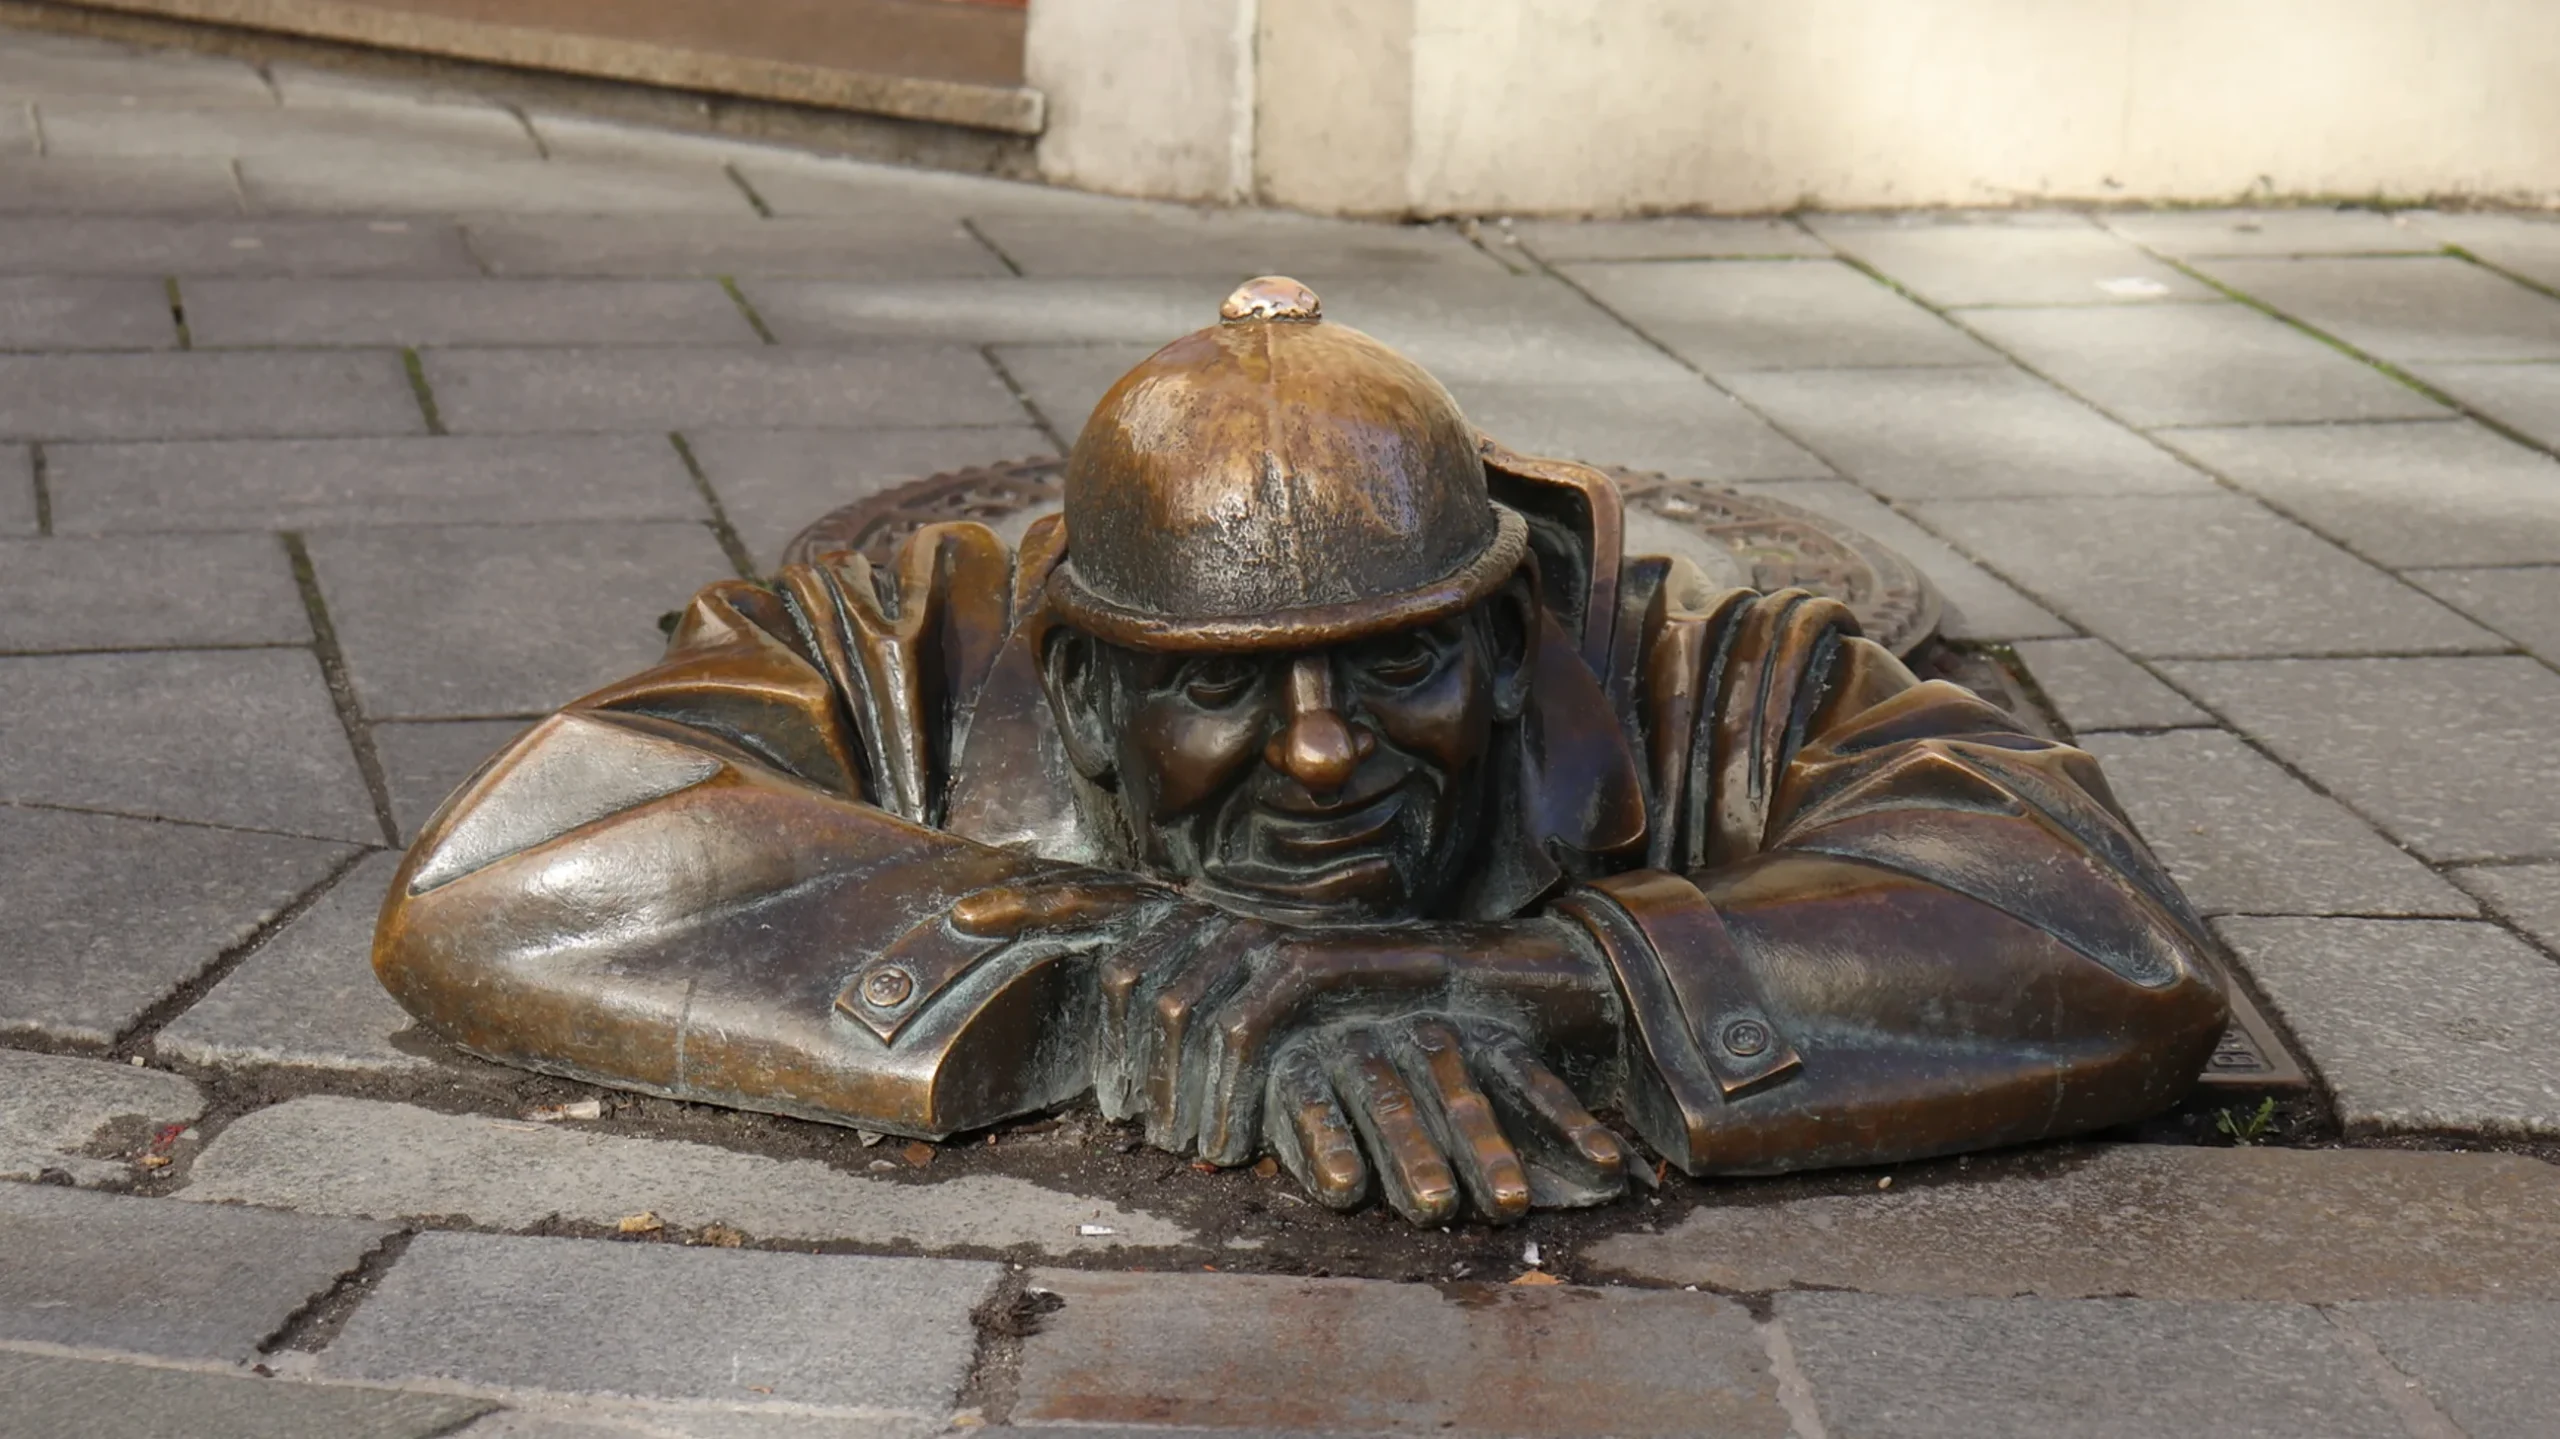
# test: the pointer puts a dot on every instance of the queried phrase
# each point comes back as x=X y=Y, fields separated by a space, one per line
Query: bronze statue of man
x=1325 y=781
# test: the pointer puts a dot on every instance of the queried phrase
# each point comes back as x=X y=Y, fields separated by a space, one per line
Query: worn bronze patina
x=1326 y=780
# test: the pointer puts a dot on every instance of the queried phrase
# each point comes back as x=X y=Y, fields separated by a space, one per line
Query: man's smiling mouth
x=1297 y=835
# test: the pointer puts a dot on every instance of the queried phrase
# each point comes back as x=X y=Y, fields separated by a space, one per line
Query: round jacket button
x=887 y=987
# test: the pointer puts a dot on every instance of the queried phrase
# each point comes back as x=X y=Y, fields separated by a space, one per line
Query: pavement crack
x=747 y=308
x=1011 y=1313
x=731 y=544
x=129 y=1044
x=309 y=1329
x=342 y=692
x=1022 y=397
x=417 y=370
x=2406 y=1399
x=1011 y=265
x=178 y=313
x=39 y=476
x=739 y=179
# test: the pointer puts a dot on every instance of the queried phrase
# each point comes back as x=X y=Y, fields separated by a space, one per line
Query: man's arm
x=1880 y=921
x=669 y=884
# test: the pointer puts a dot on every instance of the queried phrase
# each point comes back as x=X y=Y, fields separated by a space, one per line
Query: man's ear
x=1511 y=616
x=1071 y=672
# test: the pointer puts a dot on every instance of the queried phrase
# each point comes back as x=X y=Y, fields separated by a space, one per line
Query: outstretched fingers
x=1310 y=1134
x=1483 y=1155
x=1575 y=1158
x=1412 y=1173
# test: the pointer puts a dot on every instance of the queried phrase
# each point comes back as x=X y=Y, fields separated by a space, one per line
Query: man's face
x=1341 y=783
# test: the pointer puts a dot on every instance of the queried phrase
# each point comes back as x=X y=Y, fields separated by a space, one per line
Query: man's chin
x=1360 y=888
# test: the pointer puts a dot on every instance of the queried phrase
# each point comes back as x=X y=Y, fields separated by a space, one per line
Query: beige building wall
x=1623 y=106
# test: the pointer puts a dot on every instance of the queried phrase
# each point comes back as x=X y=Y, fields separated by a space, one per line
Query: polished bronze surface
x=1328 y=782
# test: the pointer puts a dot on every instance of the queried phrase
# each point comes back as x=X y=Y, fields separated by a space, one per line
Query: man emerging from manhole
x=1322 y=782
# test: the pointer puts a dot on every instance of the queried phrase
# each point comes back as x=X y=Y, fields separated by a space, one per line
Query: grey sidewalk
x=343 y=430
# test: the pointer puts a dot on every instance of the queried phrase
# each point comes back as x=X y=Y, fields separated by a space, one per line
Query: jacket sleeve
x=1878 y=920
x=670 y=884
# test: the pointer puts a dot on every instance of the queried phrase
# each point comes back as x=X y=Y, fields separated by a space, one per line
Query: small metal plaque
x=2251 y=1056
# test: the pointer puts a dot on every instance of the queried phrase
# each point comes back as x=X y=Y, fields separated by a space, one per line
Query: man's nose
x=1316 y=746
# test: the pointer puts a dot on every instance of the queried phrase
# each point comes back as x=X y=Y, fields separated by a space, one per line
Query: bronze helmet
x=1276 y=482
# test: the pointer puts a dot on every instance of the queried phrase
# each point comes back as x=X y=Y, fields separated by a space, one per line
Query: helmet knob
x=1272 y=297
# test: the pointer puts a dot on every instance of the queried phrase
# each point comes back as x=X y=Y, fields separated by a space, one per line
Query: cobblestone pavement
x=344 y=428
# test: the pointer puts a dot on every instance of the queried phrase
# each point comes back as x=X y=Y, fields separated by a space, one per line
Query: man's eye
x=1217 y=683
x=1404 y=660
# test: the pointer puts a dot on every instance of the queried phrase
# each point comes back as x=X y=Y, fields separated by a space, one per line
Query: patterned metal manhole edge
x=1777 y=543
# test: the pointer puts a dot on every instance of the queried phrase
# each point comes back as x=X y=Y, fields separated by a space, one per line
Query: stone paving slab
x=2425 y=307
x=52 y=1106
x=2024 y=259
x=1469 y=327
x=117 y=185
x=315 y=484
x=91 y=949
x=355 y=180
x=2156 y=1221
x=246 y=738
x=2093 y=686
x=2485 y=1366
x=584 y=389
x=1925 y=434
x=2523 y=397
x=364 y=1157
x=307 y=997
x=1328 y=1354
x=2522 y=603
x=46 y=1397
x=2155 y=365
x=40 y=313
x=2308 y=230
x=1228 y=245
x=144 y=1276
x=411 y=141
x=772 y=483
x=2416 y=1024
x=2097 y=1369
x=889 y=1336
x=464 y=312
x=1979 y=605
x=2526 y=246
x=1678 y=237
x=870 y=247
x=1064 y=382
x=2212 y=574
x=2451 y=756
x=55 y=68
x=1682 y=427
x=2400 y=494
x=533 y=1416
x=471 y=621
x=2242 y=836
x=2528 y=894
x=1039 y=310
x=128 y=245
x=797 y=184
x=536 y=1416
x=423 y=763
x=148 y=591
x=204 y=396
x=1729 y=316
